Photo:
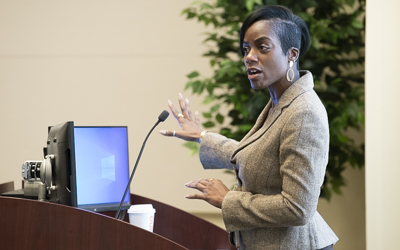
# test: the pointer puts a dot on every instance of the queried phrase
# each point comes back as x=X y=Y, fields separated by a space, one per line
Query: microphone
x=162 y=117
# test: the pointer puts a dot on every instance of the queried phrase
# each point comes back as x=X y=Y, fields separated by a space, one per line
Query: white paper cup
x=142 y=216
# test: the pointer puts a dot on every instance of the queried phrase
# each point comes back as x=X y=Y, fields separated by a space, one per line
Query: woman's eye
x=246 y=50
x=264 y=47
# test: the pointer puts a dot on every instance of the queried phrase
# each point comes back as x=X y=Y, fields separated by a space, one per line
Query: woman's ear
x=293 y=54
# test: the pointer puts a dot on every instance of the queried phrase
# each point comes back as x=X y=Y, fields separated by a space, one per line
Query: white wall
x=100 y=63
x=117 y=63
x=382 y=125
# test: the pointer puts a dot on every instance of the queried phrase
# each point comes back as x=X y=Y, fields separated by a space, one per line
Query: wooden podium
x=31 y=224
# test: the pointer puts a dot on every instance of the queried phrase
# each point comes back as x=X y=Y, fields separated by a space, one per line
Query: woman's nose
x=251 y=57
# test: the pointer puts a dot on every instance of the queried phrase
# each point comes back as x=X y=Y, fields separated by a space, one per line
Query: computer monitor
x=84 y=166
x=58 y=168
x=101 y=167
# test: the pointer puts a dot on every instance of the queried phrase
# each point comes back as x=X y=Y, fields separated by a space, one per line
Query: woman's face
x=265 y=61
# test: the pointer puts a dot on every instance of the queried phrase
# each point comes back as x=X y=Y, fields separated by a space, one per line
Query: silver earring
x=290 y=72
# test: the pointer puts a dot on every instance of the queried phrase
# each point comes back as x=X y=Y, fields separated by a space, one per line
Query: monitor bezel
x=103 y=207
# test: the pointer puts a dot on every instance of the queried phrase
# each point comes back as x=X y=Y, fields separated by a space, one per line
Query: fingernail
x=180 y=96
x=197 y=113
x=187 y=101
x=186 y=196
x=163 y=132
x=169 y=102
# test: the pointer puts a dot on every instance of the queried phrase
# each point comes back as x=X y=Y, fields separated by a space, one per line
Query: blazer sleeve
x=303 y=155
x=216 y=151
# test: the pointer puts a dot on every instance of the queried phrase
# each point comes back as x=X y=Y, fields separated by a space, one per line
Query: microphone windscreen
x=163 y=116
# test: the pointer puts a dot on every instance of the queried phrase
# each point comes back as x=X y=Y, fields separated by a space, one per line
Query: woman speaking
x=280 y=164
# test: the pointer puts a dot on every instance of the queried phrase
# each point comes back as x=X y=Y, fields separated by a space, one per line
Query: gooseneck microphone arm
x=162 y=117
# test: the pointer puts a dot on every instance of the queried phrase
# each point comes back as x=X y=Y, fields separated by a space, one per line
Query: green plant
x=336 y=59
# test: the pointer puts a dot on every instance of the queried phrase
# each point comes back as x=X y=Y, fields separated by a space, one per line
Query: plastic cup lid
x=141 y=208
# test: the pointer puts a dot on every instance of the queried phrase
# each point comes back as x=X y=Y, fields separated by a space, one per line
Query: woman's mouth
x=253 y=73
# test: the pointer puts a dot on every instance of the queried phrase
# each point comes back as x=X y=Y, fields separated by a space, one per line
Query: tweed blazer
x=280 y=167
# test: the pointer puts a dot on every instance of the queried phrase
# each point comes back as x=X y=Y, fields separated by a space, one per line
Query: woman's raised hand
x=189 y=123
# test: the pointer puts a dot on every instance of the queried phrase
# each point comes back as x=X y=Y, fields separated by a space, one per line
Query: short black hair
x=290 y=29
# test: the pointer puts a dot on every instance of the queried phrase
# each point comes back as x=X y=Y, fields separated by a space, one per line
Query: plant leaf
x=193 y=74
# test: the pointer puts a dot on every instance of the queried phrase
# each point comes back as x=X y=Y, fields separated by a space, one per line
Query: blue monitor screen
x=102 y=167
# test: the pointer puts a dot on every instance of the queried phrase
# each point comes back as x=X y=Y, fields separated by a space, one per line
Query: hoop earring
x=290 y=72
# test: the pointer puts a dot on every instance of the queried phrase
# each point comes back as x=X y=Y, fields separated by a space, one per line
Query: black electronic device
x=83 y=166
x=53 y=178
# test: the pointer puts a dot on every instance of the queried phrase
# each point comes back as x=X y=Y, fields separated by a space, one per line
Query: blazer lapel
x=304 y=84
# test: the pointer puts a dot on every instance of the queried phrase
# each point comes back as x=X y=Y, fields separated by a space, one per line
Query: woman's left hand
x=212 y=191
